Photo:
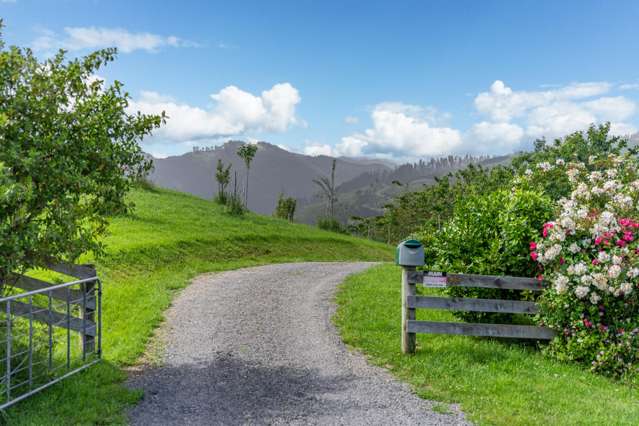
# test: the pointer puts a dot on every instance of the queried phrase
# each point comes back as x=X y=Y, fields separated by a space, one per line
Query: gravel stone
x=257 y=346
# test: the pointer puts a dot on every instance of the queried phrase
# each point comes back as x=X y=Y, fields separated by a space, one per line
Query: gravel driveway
x=257 y=346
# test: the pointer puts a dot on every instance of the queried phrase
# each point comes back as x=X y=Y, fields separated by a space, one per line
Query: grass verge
x=152 y=254
x=495 y=383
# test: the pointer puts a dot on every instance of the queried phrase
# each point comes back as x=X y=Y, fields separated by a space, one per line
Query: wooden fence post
x=408 y=314
x=88 y=314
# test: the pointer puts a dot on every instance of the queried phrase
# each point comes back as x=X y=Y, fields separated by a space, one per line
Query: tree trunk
x=246 y=190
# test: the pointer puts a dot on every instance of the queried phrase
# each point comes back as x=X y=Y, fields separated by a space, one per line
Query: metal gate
x=49 y=332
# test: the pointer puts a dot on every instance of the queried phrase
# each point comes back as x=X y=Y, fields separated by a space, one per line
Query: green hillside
x=170 y=238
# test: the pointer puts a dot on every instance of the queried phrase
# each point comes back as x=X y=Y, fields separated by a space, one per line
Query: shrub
x=285 y=208
x=590 y=254
x=69 y=155
x=330 y=224
x=489 y=234
x=234 y=204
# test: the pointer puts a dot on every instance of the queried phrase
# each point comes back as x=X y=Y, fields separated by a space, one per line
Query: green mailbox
x=410 y=253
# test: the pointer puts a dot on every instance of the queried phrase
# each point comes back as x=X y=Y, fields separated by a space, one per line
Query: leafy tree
x=327 y=186
x=69 y=155
x=285 y=207
x=247 y=153
x=223 y=177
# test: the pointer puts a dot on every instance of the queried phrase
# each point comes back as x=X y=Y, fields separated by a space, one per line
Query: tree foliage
x=69 y=155
x=285 y=208
x=223 y=177
x=247 y=152
x=327 y=187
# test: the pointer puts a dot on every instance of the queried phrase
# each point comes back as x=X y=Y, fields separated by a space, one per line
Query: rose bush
x=590 y=258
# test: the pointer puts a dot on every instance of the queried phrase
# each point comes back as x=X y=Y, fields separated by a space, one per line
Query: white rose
x=614 y=271
x=581 y=291
x=574 y=248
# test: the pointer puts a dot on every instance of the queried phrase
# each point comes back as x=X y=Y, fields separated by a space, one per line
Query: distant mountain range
x=273 y=171
x=365 y=185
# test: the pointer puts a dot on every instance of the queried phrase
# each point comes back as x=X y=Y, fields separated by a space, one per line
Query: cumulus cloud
x=81 y=38
x=235 y=112
x=547 y=113
x=315 y=149
x=494 y=136
x=402 y=130
x=349 y=119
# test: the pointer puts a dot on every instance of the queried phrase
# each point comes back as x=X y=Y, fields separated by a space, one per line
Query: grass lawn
x=152 y=254
x=495 y=383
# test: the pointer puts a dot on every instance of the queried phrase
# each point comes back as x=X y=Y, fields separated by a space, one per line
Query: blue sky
x=402 y=79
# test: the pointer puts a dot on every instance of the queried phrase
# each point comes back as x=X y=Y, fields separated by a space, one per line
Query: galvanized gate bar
x=37 y=357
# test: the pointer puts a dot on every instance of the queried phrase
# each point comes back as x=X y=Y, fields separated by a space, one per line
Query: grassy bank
x=152 y=254
x=495 y=383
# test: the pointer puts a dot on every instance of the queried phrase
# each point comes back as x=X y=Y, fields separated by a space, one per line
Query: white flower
x=552 y=252
x=626 y=288
x=607 y=219
x=574 y=248
x=595 y=176
x=614 y=271
x=603 y=257
x=545 y=166
x=611 y=173
x=567 y=223
x=592 y=158
x=561 y=283
x=594 y=298
x=632 y=273
x=528 y=172
x=581 y=291
x=558 y=235
x=586 y=280
x=572 y=174
x=600 y=280
x=580 y=268
x=560 y=162
x=616 y=260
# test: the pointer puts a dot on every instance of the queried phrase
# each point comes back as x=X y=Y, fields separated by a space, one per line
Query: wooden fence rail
x=84 y=297
x=411 y=301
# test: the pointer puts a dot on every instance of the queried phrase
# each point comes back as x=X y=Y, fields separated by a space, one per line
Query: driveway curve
x=257 y=346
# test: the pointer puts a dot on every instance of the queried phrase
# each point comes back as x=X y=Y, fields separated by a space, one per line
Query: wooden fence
x=411 y=301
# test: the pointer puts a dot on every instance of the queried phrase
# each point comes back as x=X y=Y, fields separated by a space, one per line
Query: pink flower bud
x=534 y=255
x=533 y=245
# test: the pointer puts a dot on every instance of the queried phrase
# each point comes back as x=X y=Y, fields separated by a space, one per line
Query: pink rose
x=533 y=245
x=534 y=255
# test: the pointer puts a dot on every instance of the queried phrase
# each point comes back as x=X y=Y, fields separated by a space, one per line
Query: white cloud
x=629 y=86
x=551 y=113
x=491 y=137
x=501 y=103
x=316 y=149
x=511 y=119
x=235 y=112
x=349 y=119
x=402 y=130
x=81 y=38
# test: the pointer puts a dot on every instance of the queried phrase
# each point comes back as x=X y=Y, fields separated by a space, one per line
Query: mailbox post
x=409 y=255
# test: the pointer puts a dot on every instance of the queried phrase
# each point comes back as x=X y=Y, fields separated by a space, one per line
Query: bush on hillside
x=285 y=208
x=69 y=155
x=330 y=224
x=489 y=234
x=590 y=254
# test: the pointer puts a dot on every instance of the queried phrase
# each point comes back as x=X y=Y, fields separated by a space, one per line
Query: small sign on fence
x=435 y=280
